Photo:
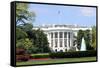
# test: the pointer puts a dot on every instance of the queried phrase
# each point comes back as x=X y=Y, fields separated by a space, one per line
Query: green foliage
x=40 y=56
x=24 y=44
x=42 y=40
x=26 y=27
x=73 y=54
x=88 y=39
x=29 y=42
x=20 y=34
x=94 y=37
x=22 y=14
x=79 y=38
x=32 y=40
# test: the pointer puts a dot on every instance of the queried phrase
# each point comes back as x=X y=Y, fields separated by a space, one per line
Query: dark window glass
x=69 y=35
x=60 y=35
x=51 y=43
x=55 y=50
x=56 y=35
x=56 y=42
x=65 y=34
x=61 y=50
x=60 y=43
x=69 y=39
x=51 y=35
x=65 y=42
x=69 y=42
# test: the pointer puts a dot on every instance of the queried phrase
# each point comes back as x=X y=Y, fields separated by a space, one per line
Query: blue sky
x=55 y=14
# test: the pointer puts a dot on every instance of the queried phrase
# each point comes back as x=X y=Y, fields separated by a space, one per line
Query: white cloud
x=88 y=11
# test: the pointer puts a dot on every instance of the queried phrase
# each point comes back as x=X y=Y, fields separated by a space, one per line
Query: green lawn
x=63 y=60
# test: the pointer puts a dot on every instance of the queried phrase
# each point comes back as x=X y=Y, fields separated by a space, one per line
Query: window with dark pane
x=52 y=43
x=51 y=35
x=60 y=43
x=56 y=42
x=65 y=42
x=65 y=34
x=60 y=35
x=56 y=35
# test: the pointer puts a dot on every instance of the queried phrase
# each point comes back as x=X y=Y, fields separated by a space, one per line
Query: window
x=69 y=35
x=65 y=42
x=60 y=35
x=56 y=42
x=51 y=35
x=55 y=50
x=56 y=35
x=60 y=43
x=52 y=43
x=69 y=39
x=61 y=50
x=69 y=42
x=65 y=34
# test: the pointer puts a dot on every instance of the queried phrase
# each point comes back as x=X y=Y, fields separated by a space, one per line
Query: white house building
x=61 y=37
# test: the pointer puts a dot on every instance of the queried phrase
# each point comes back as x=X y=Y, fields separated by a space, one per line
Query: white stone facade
x=61 y=37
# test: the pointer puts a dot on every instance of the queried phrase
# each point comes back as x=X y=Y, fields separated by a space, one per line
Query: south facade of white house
x=61 y=37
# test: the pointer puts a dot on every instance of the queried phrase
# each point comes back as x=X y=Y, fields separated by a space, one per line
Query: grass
x=63 y=60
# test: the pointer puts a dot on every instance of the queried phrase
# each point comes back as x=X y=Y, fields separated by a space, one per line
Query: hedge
x=66 y=54
x=75 y=54
x=40 y=56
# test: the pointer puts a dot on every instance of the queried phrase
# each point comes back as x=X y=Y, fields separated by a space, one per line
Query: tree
x=20 y=34
x=88 y=39
x=22 y=14
x=94 y=37
x=24 y=44
x=87 y=36
x=79 y=38
x=40 y=41
x=26 y=27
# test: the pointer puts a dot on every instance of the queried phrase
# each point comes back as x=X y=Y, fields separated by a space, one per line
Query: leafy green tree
x=26 y=27
x=40 y=41
x=24 y=44
x=79 y=38
x=22 y=14
x=88 y=39
x=94 y=37
x=20 y=34
x=75 y=40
